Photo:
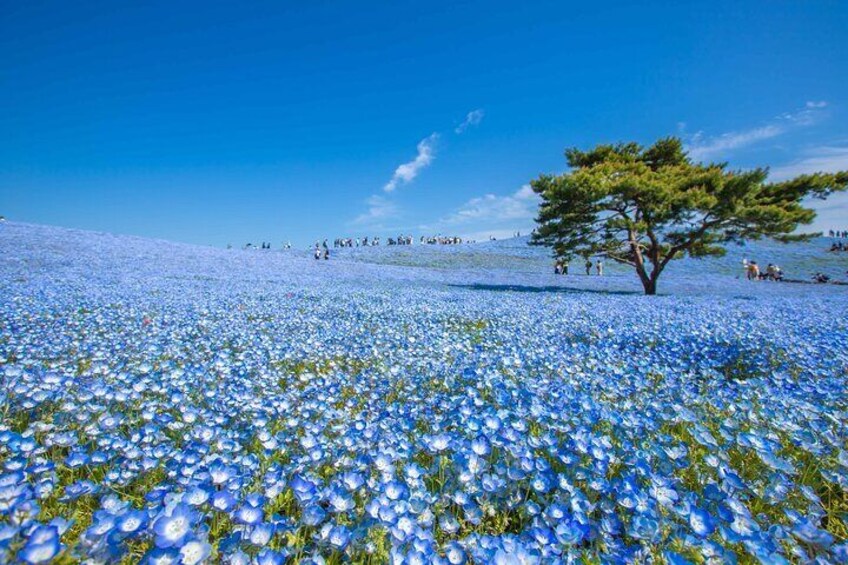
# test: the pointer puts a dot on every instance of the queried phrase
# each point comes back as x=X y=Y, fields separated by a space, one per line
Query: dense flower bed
x=175 y=404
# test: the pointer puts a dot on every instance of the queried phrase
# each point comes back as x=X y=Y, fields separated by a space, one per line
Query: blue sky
x=226 y=122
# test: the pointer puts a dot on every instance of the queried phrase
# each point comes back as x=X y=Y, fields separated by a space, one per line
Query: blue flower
x=701 y=522
x=303 y=488
x=571 y=532
x=270 y=557
x=223 y=500
x=42 y=546
x=174 y=529
x=158 y=556
x=261 y=534
x=338 y=537
x=455 y=554
x=78 y=489
x=249 y=515
x=194 y=552
x=132 y=522
x=313 y=515
x=807 y=532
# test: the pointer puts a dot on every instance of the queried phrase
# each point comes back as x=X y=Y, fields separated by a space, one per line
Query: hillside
x=160 y=399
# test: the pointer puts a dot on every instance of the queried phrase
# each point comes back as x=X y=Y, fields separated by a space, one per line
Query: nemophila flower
x=701 y=522
x=840 y=552
x=223 y=501
x=42 y=545
x=78 y=489
x=270 y=557
x=338 y=537
x=248 y=515
x=438 y=443
x=448 y=523
x=102 y=523
x=194 y=552
x=173 y=528
x=236 y=558
x=197 y=495
x=516 y=554
x=241 y=388
x=23 y=512
x=571 y=532
x=77 y=459
x=131 y=522
x=7 y=533
x=340 y=500
x=221 y=472
x=261 y=534
x=313 y=515
x=158 y=556
x=414 y=471
x=304 y=489
x=644 y=527
x=807 y=532
x=394 y=490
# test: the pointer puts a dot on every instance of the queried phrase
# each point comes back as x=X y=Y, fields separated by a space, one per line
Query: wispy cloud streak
x=473 y=118
x=408 y=171
x=701 y=147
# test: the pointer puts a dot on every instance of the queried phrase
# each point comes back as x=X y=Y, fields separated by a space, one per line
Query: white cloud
x=831 y=213
x=473 y=118
x=701 y=147
x=821 y=159
x=490 y=215
x=379 y=208
x=520 y=206
x=408 y=171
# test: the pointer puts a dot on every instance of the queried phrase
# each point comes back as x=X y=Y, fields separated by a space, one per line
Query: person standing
x=753 y=271
x=565 y=267
x=588 y=266
x=600 y=268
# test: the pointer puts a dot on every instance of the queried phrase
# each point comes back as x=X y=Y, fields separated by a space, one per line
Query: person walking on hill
x=753 y=271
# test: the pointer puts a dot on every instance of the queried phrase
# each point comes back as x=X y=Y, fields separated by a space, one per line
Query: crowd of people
x=837 y=244
x=561 y=267
x=322 y=249
x=753 y=272
x=319 y=252
x=263 y=245
x=399 y=240
x=441 y=240
x=354 y=242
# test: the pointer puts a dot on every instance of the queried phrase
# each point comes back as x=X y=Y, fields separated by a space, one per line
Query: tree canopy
x=646 y=206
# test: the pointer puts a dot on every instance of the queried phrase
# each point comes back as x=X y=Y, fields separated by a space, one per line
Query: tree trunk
x=650 y=286
x=650 y=283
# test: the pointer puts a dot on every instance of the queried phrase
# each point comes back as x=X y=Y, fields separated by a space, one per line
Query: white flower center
x=176 y=527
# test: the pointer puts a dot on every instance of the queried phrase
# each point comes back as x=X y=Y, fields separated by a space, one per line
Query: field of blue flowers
x=167 y=403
